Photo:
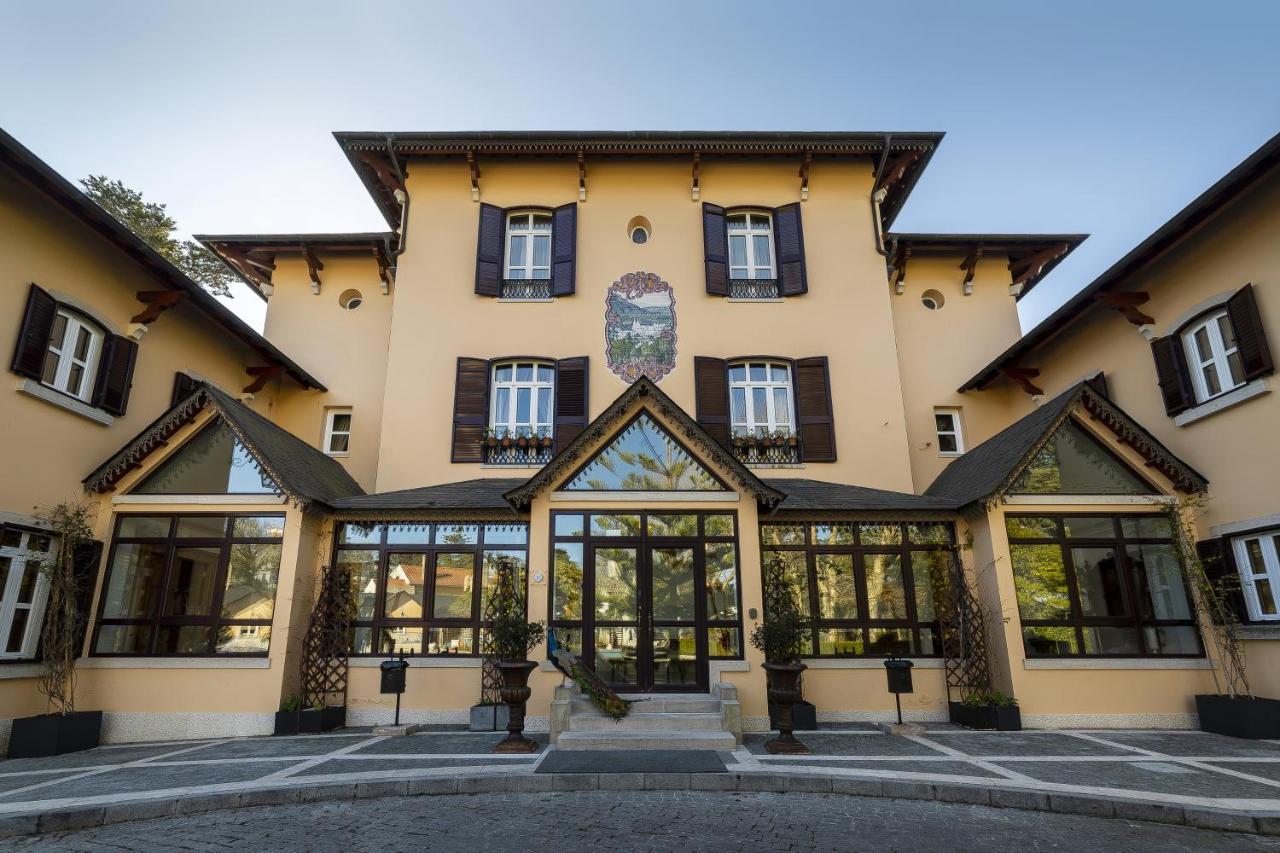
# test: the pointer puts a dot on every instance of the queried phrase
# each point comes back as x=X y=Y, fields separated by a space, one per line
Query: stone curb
x=67 y=820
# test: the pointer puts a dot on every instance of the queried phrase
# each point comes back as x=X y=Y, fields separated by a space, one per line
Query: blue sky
x=1099 y=117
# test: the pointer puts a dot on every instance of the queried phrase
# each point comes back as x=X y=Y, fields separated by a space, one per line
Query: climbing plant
x=64 y=623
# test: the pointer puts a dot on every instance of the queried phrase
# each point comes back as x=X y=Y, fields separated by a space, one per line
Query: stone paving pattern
x=687 y=821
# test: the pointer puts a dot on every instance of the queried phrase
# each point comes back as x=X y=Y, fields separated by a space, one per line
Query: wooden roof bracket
x=314 y=266
x=1026 y=268
x=697 y=168
x=1127 y=304
x=582 y=177
x=1022 y=377
x=388 y=178
x=384 y=266
x=896 y=169
x=970 y=266
x=899 y=269
x=804 y=175
x=257 y=271
x=156 y=302
x=261 y=376
x=474 y=168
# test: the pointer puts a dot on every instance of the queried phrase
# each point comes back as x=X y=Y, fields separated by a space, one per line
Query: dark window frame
x=640 y=543
x=905 y=549
x=430 y=551
x=586 y=493
x=1110 y=451
x=1131 y=587
x=172 y=542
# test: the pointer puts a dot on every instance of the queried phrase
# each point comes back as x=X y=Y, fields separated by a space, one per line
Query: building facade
x=644 y=367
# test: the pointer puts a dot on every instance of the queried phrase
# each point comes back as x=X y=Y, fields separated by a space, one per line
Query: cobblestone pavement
x=641 y=821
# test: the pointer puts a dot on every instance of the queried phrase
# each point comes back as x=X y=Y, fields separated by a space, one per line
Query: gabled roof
x=1016 y=247
x=302 y=472
x=252 y=257
x=1165 y=238
x=985 y=473
x=804 y=494
x=16 y=157
x=375 y=155
x=613 y=418
x=481 y=493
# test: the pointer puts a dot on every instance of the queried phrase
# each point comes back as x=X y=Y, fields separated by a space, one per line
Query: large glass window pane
x=1042 y=642
x=722 y=581
x=1023 y=527
x=408 y=534
x=1162 y=594
x=880 y=534
x=886 y=597
x=615 y=577
x=926 y=566
x=675 y=656
x=191 y=579
x=202 y=527
x=1075 y=463
x=450 y=641
x=252 y=571
x=1172 y=640
x=457 y=534
x=840 y=641
x=673 y=525
x=1145 y=527
x=672 y=575
x=795 y=572
x=123 y=640
x=718 y=525
x=782 y=534
x=929 y=534
x=518 y=559
x=1110 y=641
x=1098 y=582
x=837 y=587
x=133 y=581
x=1087 y=527
x=569 y=525
x=644 y=457
x=723 y=642
x=889 y=641
x=506 y=534
x=258 y=527
x=400 y=638
x=363 y=566
x=17 y=631
x=213 y=462
x=567 y=574
x=616 y=655
x=1040 y=580
x=833 y=534
x=738 y=405
x=354 y=533
x=454 y=586
x=244 y=640
x=143 y=527
x=615 y=525
x=183 y=640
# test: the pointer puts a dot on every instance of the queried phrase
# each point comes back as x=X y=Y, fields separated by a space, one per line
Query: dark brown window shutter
x=788 y=238
x=1255 y=355
x=715 y=247
x=470 y=409
x=572 y=383
x=115 y=374
x=183 y=387
x=85 y=558
x=711 y=397
x=813 y=409
x=493 y=221
x=1219 y=562
x=33 y=336
x=1172 y=374
x=564 y=249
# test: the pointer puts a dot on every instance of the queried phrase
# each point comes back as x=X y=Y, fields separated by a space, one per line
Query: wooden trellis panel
x=326 y=646
x=964 y=632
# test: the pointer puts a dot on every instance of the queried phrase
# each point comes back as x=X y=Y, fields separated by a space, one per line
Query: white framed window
x=1258 y=559
x=950 y=436
x=23 y=591
x=337 y=432
x=528 y=245
x=750 y=244
x=521 y=394
x=71 y=362
x=760 y=398
x=1212 y=356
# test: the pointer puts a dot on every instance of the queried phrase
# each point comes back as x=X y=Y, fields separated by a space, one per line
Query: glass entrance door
x=647 y=599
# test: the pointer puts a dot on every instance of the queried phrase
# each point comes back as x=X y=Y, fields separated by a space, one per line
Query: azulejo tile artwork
x=640 y=326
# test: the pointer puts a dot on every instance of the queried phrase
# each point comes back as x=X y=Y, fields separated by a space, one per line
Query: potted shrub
x=490 y=439
x=287 y=716
x=505 y=441
x=522 y=439
x=512 y=638
x=63 y=729
x=987 y=709
x=321 y=718
x=1234 y=710
x=783 y=636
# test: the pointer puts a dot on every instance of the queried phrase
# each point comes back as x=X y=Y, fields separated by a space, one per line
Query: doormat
x=632 y=761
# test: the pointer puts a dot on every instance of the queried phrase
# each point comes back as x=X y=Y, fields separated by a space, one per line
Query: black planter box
x=313 y=721
x=54 y=734
x=1001 y=719
x=1256 y=719
x=286 y=722
x=804 y=716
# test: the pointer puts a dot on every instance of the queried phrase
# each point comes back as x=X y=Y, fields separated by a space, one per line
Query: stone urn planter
x=784 y=692
x=515 y=692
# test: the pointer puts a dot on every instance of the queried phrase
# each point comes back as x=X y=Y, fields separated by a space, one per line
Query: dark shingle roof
x=819 y=495
x=301 y=471
x=986 y=472
x=480 y=493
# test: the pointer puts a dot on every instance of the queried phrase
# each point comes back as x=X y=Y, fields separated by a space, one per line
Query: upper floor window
x=22 y=591
x=950 y=439
x=1258 y=556
x=760 y=400
x=71 y=362
x=520 y=412
x=337 y=432
x=750 y=245
x=528 y=245
x=1213 y=356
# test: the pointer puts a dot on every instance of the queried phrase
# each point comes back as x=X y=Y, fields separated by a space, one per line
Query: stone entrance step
x=657 y=704
x=649 y=721
x=657 y=721
x=572 y=740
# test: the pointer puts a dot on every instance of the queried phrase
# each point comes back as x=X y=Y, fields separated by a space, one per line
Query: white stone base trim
x=1110 y=721
x=133 y=727
x=429 y=717
x=881 y=716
